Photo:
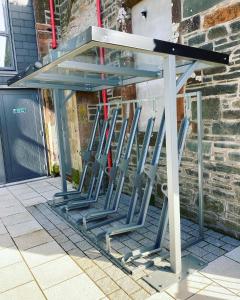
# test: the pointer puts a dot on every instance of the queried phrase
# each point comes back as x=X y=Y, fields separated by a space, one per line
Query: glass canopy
x=77 y=64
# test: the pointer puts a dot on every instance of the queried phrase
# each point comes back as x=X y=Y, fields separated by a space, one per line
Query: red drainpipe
x=54 y=39
x=104 y=92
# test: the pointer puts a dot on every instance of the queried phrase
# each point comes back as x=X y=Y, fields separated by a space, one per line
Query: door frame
x=4 y=136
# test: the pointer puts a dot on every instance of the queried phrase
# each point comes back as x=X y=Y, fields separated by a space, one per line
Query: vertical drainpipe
x=54 y=39
x=102 y=61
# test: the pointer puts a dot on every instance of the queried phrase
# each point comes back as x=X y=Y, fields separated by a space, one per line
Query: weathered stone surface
x=227 y=76
x=235 y=27
x=217 y=32
x=215 y=70
x=235 y=156
x=210 y=109
x=208 y=46
x=227 y=46
x=213 y=205
x=218 y=89
x=226 y=128
x=221 y=15
x=193 y=146
x=196 y=40
x=231 y=114
x=191 y=7
x=190 y=25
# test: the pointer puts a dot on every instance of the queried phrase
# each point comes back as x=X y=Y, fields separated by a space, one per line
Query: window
x=6 y=49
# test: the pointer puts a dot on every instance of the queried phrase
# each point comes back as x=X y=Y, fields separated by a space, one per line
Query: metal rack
x=75 y=65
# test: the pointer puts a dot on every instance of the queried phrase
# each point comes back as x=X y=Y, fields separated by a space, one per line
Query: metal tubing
x=125 y=162
x=95 y=164
x=147 y=191
x=102 y=162
x=85 y=158
x=58 y=99
x=172 y=162
x=164 y=214
x=200 y=165
x=122 y=167
x=140 y=170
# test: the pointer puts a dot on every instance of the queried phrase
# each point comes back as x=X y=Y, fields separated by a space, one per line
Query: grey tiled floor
x=42 y=257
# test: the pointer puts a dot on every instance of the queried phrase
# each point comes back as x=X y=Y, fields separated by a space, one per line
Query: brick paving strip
x=42 y=257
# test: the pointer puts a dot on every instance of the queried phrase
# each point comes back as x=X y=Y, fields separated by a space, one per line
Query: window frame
x=8 y=33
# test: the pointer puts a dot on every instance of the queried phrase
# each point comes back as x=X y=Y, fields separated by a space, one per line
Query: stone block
x=213 y=205
x=210 y=109
x=235 y=156
x=217 y=32
x=192 y=7
x=221 y=15
x=190 y=25
x=226 y=128
x=235 y=27
x=192 y=145
x=196 y=40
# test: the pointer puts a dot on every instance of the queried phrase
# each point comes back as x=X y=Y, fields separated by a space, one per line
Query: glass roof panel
x=127 y=59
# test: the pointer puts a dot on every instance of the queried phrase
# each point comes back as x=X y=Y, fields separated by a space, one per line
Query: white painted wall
x=158 y=24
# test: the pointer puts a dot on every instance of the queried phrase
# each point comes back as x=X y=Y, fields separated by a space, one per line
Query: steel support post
x=172 y=162
x=58 y=102
x=200 y=164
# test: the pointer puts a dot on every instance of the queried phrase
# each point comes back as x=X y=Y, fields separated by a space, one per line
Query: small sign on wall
x=19 y=110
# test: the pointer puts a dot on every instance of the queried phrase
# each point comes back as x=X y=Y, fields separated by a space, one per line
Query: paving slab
x=234 y=254
x=188 y=287
x=33 y=239
x=41 y=254
x=225 y=272
x=9 y=256
x=28 y=291
x=26 y=227
x=17 y=218
x=214 y=292
x=79 y=287
x=55 y=271
x=13 y=276
x=5 y=241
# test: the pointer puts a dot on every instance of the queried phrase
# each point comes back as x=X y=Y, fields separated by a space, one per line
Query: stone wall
x=218 y=29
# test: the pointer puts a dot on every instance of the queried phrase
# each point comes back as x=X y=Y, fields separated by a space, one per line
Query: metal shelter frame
x=75 y=66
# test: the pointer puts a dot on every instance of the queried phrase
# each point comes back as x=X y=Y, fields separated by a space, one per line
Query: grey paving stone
x=214 y=241
x=95 y=273
x=83 y=245
x=119 y=295
x=140 y=295
x=103 y=262
x=210 y=257
x=213 y=249
x=61 y=238
x=198 y=251
x=128 y=285
x=132 y=244
x=76 y=238
x=201 y=244
x=92 y=253
x=115 y=273
x=107 y=285
x=214 y=234
x=228 y=247
x=67 y=246
x=231 y=241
